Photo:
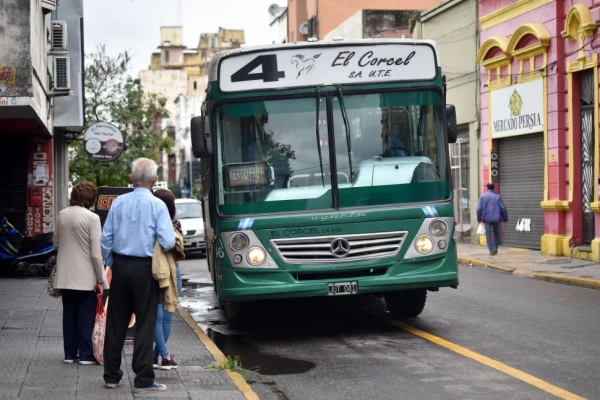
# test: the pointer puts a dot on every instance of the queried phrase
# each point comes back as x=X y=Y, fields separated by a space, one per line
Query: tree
x=113 y=96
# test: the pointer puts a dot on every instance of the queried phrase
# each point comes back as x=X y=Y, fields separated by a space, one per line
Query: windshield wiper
x=319 y=135
x=347 y=126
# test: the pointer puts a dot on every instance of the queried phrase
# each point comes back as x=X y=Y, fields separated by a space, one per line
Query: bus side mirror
x=200 y=137
x=451 y=129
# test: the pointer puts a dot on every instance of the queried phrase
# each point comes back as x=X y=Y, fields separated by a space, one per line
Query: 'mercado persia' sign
x=328 y=65
x=517 y=109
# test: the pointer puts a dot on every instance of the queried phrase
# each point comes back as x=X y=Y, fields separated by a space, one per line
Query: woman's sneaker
x=155 y=363
x=169 y=364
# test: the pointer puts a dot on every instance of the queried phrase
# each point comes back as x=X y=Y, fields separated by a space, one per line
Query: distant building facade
x=41 y=107
x=539 y=121
x=176 y=70
x=317 y=19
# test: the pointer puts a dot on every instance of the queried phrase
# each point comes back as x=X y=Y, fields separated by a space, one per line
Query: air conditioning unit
x=61 y=72
x=59 y=41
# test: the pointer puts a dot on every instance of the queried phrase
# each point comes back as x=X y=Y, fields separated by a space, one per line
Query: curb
x=543 y=276
x=237 y=379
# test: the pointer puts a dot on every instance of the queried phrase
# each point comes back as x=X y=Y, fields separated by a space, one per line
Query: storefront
x=517 y=159
x=539 y=113
x=26 y=171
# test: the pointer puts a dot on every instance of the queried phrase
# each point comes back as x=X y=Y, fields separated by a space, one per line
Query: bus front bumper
x=236 y=285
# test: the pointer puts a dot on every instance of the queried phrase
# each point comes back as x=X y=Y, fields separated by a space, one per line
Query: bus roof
x=236 y=69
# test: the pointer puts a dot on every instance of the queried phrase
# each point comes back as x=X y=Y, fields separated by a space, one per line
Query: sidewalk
x=533 y=264
x=32 y=351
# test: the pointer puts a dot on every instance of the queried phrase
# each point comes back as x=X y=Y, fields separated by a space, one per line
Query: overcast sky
x=134 y=25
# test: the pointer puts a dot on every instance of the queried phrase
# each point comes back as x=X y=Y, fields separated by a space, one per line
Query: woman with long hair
x=164 y=318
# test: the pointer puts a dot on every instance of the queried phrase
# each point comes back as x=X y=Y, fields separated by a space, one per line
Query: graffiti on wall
x=40 y=206
x=8 y=76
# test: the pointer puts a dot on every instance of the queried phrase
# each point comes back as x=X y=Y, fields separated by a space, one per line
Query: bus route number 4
x=269 y=73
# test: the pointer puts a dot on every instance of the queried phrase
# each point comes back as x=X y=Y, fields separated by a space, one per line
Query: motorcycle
x=35 y=255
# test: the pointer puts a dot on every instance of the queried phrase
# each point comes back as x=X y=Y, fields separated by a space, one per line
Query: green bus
x=325 y=172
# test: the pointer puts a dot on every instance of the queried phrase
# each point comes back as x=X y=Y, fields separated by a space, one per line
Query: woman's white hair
x=143 y=172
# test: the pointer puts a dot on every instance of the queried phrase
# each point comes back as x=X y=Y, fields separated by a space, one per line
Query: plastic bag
x=56 y=293
x=99 y=331
x=481 y=229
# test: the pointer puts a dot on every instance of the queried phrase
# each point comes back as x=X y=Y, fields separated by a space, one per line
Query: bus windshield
x=274 y=155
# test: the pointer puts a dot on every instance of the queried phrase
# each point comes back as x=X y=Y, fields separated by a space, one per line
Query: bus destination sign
x=246 y=176
x=331 y=65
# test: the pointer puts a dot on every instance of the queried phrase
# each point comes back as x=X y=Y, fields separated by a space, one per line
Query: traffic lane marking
x=497 y=365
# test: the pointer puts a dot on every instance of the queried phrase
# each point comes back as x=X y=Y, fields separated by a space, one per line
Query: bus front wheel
x=234 y=313
x=406 y=303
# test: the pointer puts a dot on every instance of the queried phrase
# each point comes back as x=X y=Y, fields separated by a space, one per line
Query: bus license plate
x=342 y=288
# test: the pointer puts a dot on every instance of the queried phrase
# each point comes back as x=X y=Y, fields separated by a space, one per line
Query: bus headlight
x=238 y=242
x=438 y=228
x=424 y=245
x=256 y=256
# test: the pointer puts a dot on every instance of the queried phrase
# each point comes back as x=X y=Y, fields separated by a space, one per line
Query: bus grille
x=339 y=248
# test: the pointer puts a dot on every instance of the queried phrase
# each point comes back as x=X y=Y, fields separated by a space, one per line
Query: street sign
x=494 y=167
x=103 y=142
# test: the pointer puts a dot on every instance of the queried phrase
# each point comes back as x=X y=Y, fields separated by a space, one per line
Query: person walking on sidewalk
x=134 y=222
x=79 y=271
x=491 y=211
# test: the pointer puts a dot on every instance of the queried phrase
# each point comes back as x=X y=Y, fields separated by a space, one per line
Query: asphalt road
x=542 y=337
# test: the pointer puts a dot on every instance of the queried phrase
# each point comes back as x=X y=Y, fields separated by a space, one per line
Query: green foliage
x=175 y=188
x=197 y=188
x=166 y=144
x=230 y=364
x=113 y=96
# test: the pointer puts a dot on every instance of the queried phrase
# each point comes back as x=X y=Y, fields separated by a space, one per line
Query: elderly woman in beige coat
x=79 y=271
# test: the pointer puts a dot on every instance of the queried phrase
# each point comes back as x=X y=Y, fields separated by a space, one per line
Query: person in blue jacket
x=491 y=212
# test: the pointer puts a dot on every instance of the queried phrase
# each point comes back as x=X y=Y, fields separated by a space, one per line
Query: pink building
x=539 y=121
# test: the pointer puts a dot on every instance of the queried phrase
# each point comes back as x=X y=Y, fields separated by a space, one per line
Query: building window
x=195 y=85
x=213 y=42
x=167 y=56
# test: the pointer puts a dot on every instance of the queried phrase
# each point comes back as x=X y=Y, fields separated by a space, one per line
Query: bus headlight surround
x=438 y=228
x=239 y=242
x=256 y=256
x=424 y=244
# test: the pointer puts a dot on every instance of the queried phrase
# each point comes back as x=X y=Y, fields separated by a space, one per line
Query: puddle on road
x=253 y=359
x=199 y=299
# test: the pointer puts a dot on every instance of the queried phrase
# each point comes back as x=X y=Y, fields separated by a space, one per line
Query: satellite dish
x=274 y=10
x=304 y=28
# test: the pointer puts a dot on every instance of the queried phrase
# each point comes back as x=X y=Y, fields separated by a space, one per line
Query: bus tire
x=406 y=303
x=234 y=314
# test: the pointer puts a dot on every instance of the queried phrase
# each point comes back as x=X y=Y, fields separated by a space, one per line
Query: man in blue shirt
x=491 y=211
x=134 y=223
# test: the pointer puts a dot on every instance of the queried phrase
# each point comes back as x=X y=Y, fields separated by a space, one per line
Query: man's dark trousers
x=133 y=289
